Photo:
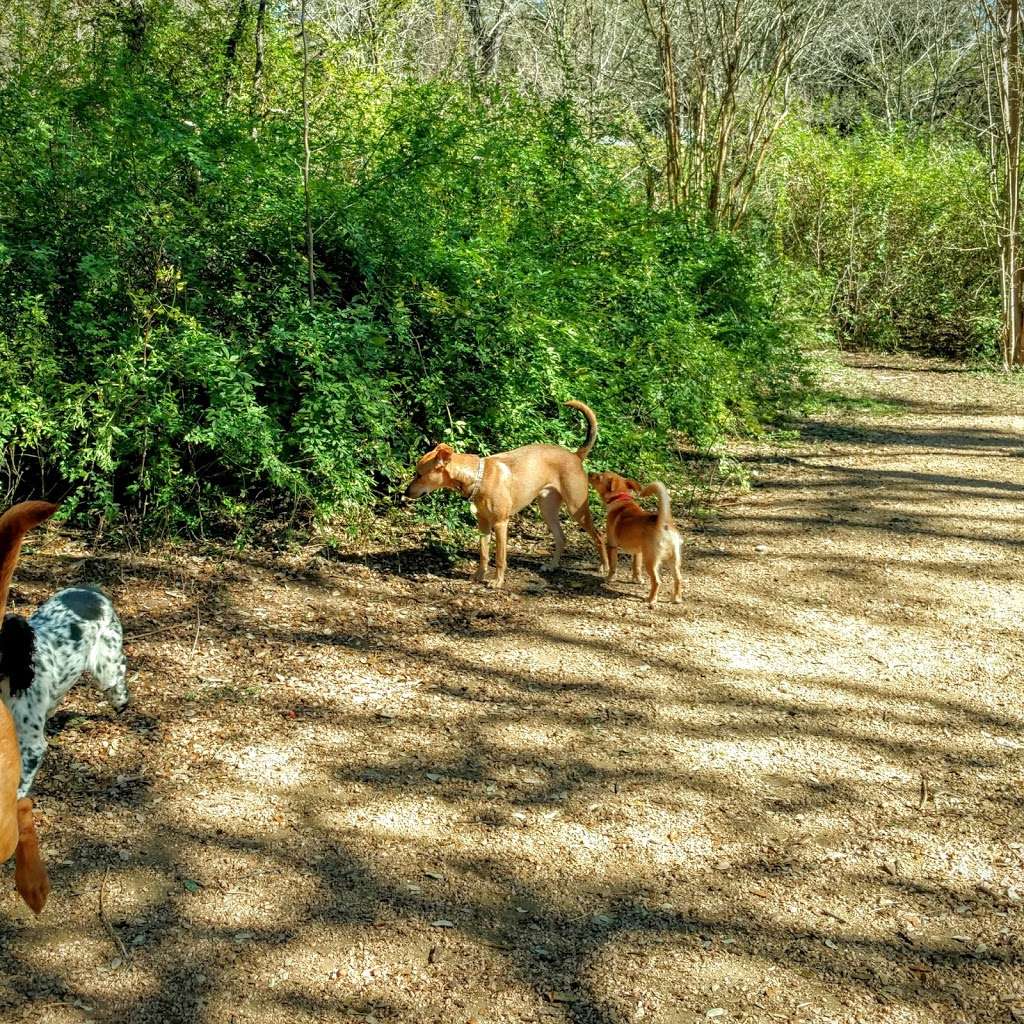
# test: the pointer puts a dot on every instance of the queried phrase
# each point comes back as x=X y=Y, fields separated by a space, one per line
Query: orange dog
x=500 y=485
x=17 y=829
x=650 y=537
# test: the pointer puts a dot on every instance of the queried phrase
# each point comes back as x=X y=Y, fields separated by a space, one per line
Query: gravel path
x=357 y=788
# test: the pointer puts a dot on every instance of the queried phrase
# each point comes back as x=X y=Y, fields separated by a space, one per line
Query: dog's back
x=538 y=467
x=75 y=631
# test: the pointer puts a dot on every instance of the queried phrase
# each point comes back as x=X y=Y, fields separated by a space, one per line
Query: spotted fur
x=41 y=658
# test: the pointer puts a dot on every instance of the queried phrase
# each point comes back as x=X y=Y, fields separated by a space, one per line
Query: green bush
x=894 y=225
x=479 y=260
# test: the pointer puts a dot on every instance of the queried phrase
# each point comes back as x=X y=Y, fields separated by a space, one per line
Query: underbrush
x=478 y=260
x=894 y=226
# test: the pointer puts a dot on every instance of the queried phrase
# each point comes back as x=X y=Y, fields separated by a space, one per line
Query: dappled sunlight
x=371 y=793
x=283 y=765
x=409 y=820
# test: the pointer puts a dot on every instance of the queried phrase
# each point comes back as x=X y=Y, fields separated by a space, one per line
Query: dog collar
x=621 y=496
x=477 y=481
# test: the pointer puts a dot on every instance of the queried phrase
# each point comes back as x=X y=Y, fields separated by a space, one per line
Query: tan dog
x=17 y=828
x=650 y=537
x=500 y=485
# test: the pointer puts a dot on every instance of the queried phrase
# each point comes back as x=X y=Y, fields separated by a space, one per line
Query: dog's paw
x=32 y=884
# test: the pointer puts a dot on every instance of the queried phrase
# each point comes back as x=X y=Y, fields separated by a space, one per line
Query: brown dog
x=17 y=829
x=500 y=485
x=650 y=537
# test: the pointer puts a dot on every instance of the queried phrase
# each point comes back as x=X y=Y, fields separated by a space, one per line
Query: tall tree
x=661 y=31
x=304 y=35
x=1005 y=81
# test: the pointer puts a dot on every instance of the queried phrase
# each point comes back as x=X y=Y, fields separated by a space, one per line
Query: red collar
x=621 y=496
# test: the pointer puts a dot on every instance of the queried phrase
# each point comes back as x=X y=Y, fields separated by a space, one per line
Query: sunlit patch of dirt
x=358 y=788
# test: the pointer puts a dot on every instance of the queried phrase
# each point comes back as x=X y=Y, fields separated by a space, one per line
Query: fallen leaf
x=191 y=885
x=560 y=997
x=443 y=923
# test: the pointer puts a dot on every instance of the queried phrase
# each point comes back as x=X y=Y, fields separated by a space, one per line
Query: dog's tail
x=14 y=524
x=664 y=502
x=584 y=450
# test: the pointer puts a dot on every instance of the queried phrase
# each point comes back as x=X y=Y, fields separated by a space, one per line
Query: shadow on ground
x=361 y=788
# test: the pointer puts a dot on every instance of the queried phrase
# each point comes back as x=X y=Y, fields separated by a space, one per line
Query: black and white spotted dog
x=42 y=657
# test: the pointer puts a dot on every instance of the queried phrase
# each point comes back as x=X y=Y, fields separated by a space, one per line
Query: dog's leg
x=107 y=666
x=485 y=553
x=612 y=554
x=677 y=593
x=654 y=572
x=550 y=503
x=638 y=564
x=32 y=743
x=500 y=552
x=585 y=520
x=29 y=873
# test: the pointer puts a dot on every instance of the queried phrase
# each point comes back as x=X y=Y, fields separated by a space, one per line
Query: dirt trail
x=357 y=789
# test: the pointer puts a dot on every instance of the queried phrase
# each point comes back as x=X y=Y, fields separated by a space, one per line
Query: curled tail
x=14 y=524
x=664 y=502
x=591 y=439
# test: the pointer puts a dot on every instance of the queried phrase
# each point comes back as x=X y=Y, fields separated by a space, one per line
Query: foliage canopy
x=479 y=258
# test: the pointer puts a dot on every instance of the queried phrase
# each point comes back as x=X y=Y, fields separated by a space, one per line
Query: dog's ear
x=633 y=485
x=443 y=454
x=17 y=651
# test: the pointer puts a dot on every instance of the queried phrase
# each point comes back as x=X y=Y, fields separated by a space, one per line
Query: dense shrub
x=895 y=226
x=478 y=261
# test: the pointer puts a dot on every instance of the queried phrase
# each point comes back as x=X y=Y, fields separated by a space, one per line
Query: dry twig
x=106 y=924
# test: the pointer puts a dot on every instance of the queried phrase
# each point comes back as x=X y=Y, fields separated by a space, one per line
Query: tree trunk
x=1012 y=271
x=661 y=30
x=305 y=148
x=672 y=141
x=257 y=68
x=487 y=41
x=231 y=49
